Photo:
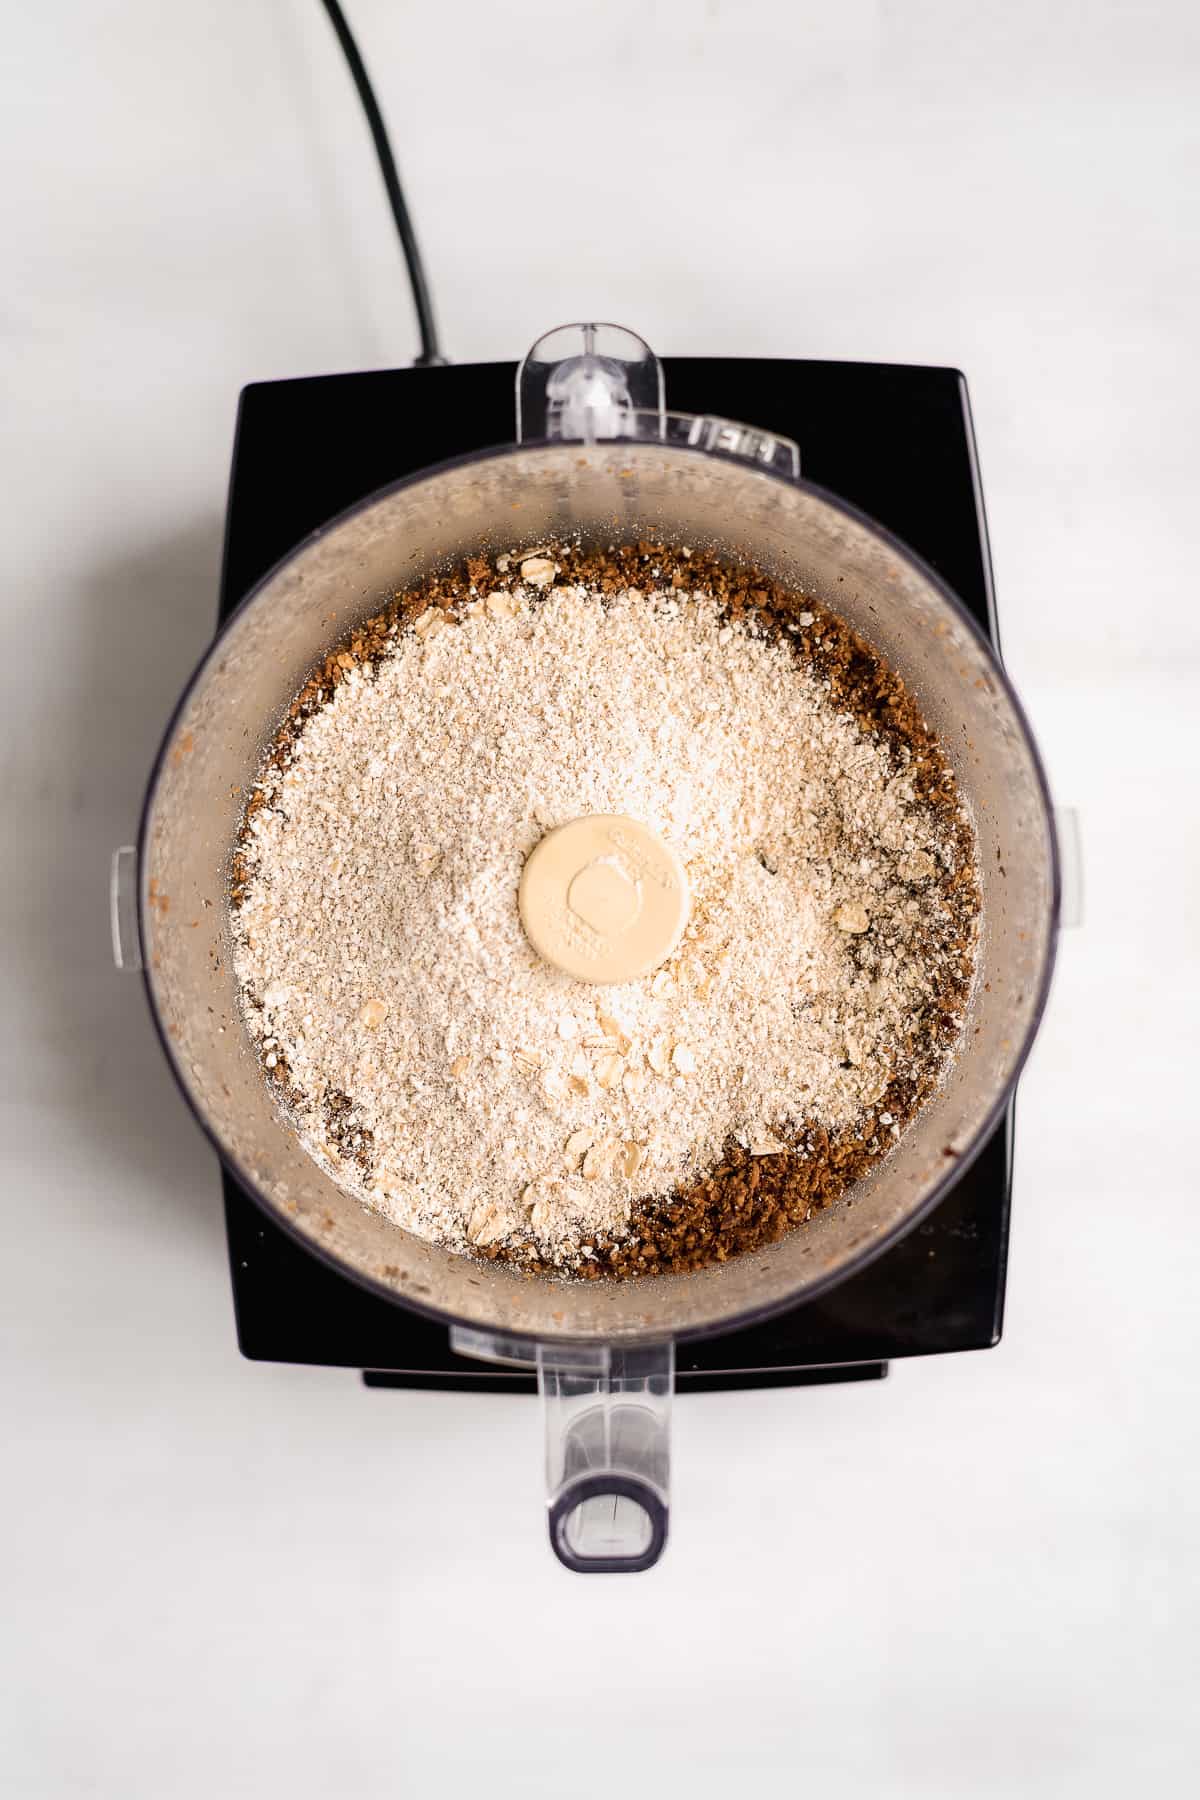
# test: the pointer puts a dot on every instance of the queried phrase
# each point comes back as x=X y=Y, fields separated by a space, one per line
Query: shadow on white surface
x=142 y=620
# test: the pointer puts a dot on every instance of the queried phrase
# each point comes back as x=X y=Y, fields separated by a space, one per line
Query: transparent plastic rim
x=866 y=1254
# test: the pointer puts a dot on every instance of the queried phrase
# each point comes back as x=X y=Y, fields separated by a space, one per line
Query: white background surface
x=978 y=1579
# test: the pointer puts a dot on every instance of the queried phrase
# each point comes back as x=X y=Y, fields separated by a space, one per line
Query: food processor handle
x=589 y=382
x=606 y=1412
x=581 y=381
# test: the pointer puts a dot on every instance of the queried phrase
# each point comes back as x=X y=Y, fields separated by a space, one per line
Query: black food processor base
x=895 y=441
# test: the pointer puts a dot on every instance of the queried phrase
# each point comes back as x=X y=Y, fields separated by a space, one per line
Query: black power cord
x=431 y=351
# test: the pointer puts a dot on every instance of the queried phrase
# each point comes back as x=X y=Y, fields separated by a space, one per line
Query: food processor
x=597 y=455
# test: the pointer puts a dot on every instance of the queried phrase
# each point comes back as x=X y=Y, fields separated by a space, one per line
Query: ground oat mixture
x=480 y=1097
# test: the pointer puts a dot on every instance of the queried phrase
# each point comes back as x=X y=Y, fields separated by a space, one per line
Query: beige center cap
x=603 y=899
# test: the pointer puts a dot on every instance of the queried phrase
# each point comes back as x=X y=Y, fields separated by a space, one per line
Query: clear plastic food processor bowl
x=597 y=455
